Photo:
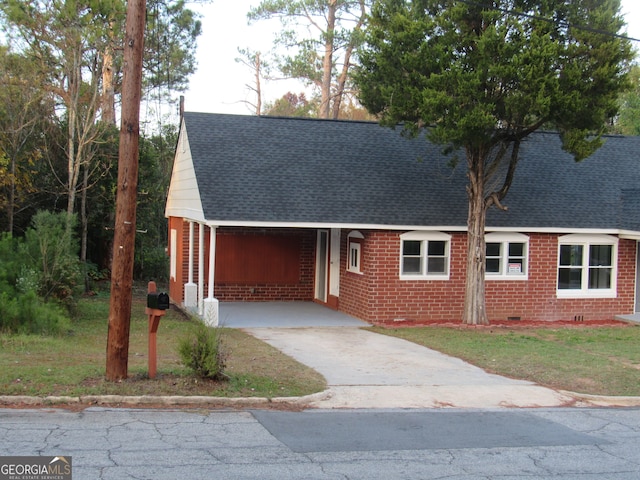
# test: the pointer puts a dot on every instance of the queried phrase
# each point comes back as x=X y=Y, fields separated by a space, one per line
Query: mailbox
x=158 y=301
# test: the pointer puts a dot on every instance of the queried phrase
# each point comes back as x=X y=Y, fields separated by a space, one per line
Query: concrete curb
x=582 y=400
x=172 y=400
x=603 y=400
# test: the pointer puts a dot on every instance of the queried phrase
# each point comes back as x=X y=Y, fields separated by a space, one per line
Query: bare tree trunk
x=327 y=63
x=346 y=65
x=108 y=89
x=73 y=167
x=474 y=300
x=84 y=225
x=125 y=225
x=258 y=85
x=12 y=194
x=342 y=80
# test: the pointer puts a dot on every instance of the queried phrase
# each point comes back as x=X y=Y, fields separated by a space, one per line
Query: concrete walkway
x=369 y=370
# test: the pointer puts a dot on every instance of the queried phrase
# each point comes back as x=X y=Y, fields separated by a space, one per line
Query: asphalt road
x=456 y=444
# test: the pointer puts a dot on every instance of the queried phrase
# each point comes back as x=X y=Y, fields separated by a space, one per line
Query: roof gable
x=183 y=198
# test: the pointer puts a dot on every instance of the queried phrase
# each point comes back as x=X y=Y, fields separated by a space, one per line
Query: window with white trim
x=354 y=245
x=587 y=266
x=424 y=255
x=506 y=256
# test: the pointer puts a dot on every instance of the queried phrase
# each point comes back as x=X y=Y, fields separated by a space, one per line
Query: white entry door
x=322 y=264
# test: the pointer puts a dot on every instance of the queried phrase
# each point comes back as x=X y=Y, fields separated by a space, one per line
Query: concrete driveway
x=369 y=370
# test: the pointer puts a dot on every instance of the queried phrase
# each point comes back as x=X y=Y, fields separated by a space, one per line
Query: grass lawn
x=75 y=364
x=591 y=360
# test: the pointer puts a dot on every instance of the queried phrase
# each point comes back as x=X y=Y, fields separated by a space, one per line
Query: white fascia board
x=354 y=226
x=192 y=215
x=630 y=235
x=441 y=228
x=586 y=231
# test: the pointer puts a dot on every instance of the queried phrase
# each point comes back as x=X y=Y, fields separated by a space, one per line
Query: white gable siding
x=183 y=199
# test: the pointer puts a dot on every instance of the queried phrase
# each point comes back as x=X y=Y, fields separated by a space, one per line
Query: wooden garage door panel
x=253 y=259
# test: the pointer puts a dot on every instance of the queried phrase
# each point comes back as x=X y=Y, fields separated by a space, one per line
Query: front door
x=322 y=261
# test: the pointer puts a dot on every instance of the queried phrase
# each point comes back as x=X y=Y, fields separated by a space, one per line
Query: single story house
x=365 y=220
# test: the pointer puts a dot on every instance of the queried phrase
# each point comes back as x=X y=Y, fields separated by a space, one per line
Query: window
x=586 y=266
x=354 y=257
x=354 y=261
x=424 y=255
x=506 y=256
x=173 y=255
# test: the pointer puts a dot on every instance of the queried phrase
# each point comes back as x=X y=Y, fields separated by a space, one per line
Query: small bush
x=151 y=262
x=28 y=314
x=202 y=353
x=50 y=253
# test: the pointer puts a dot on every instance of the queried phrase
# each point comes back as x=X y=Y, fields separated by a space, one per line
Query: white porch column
x=190 y=288
x=211 y=304
x=201 y=269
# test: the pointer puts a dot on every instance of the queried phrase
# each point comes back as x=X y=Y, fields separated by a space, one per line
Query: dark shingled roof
x=271 y=169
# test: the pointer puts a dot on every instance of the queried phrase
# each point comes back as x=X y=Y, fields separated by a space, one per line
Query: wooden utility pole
x=125 y=226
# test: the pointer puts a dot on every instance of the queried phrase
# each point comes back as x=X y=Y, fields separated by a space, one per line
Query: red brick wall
x=175 y=284
x=302 y=290
x=379 y=296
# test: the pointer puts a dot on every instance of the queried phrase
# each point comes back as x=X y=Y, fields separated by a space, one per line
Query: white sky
x=219 y=85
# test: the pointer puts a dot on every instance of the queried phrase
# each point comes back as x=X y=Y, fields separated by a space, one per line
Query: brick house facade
x=366 y=228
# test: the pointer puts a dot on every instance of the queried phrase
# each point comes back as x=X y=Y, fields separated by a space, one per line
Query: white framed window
x=424 y=256
x=354 y=247
x=587 y=266
x=173 y=262
x=506 y=256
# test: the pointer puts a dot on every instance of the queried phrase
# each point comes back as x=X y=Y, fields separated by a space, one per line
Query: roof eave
x=627 y=234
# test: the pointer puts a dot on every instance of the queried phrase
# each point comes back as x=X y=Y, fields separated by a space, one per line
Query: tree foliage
x=291 y=105
x=324 y=55
x=25 y=112
x=482 y=76
x=628 y=120
x=60 y=80
x=171 y=34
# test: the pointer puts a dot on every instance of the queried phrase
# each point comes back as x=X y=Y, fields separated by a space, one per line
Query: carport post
x=211 y=306
x=200 y=268
x=191 y=289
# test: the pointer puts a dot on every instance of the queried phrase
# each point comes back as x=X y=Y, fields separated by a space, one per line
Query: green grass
x=75 y=364
x=591 y=360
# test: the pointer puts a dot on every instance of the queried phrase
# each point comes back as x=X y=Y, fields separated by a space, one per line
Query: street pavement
x=393 y=410
x=456 y=444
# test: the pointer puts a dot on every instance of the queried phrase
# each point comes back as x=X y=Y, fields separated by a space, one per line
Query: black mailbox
x=159 y=301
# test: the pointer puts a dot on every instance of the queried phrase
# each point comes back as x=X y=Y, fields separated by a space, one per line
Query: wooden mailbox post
x=157 y=305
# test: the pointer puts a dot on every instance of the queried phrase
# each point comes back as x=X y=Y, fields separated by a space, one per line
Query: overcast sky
x=219 y=85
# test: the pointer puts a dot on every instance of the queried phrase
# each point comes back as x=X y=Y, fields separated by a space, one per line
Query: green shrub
x=10 y=265
x=202 y=352
x=35 y=274
x=50 y=253
x=28 y=314
x=151 y=263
